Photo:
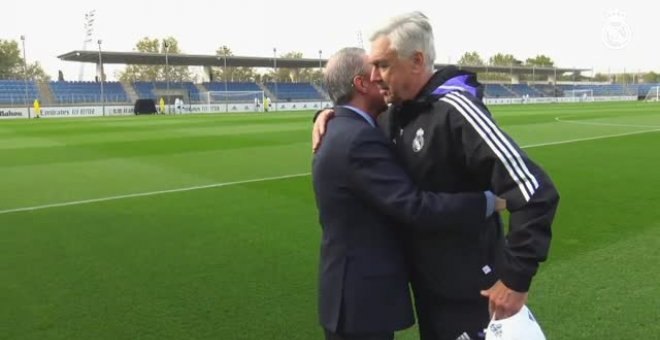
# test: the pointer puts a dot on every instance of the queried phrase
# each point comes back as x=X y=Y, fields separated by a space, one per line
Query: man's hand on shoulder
x=320 y=123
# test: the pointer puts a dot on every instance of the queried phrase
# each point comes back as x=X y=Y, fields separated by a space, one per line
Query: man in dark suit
x=364 y=199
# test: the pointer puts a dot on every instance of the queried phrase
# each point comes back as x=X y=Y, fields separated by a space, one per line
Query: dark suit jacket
x=365 y=199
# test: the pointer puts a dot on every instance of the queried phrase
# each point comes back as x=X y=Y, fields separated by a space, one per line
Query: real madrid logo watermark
x=616 y=33
x=496 y=329
x=418 y=142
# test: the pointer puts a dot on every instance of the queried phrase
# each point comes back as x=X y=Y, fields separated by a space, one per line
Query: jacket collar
x=443 y=81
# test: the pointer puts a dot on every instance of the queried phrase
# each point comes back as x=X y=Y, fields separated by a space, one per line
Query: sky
x=607 y=36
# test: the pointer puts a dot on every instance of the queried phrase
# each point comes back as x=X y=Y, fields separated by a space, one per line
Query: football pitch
x=205 y=227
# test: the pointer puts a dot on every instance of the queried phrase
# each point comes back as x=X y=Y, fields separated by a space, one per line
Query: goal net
x=654 y=94
x=585 y=95
x=219 y=101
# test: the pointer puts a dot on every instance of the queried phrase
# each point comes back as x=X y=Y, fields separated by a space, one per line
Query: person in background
x=37 y=108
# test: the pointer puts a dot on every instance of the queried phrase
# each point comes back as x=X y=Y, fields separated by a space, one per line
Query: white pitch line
x=151 y=193
x=217 y=185
x=604 y=124
x=568 y=141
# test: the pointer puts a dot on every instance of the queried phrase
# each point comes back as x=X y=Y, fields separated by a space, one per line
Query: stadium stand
x=496 y=91
x=645 y=88
x=148 y=89
x=232 y=86
x=603 y=90
x=87 y=92
x=294 y=91
x=524 y=89
x=12 y=92
x=548 y=90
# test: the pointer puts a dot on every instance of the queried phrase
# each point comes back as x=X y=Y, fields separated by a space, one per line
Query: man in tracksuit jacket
x=447 y=140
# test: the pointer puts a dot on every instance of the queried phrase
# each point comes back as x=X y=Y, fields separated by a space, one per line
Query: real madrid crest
x=616 y=33
x=418 y=142
x=496 y=329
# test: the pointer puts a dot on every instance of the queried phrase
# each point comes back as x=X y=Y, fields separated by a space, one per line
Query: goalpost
x=220 y=101
x=586 y=95
x=653 y=95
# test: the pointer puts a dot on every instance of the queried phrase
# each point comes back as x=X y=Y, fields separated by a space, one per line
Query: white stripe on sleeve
x=521 y=163
x=489 y=141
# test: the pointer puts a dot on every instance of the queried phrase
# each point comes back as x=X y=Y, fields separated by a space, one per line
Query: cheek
x=393 y=80
x=387 y=76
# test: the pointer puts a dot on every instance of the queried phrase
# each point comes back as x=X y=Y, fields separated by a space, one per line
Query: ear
x=358 y=85
x=418 y=61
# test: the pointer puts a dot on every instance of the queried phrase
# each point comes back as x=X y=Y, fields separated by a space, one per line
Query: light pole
x=320 y=77
x=487 y=75
x=25 y=75
x=224 y=73
x=101 y=77
x=275 y=67
x=554 y=84
x=320 y=63
x=167 y=76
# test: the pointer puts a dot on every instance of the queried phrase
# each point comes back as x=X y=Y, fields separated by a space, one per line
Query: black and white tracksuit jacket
x=448 y=142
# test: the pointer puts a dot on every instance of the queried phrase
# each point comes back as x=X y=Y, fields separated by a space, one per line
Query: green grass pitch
x=98 y=242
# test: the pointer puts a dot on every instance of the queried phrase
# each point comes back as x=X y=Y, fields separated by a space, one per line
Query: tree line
x=220 y=74
x=12 y=65
x=504 y=59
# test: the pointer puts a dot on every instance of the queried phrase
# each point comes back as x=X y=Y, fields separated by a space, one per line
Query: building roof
x=141 y=58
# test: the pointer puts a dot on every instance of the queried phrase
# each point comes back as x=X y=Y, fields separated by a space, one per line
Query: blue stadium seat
x=233 y=87
x=145 y=89
x=496 y=91
x=294 y=91
x=12 y=92
x=524 y=89
x=87 y=92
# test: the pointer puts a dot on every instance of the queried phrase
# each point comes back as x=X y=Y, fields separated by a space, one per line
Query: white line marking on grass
x=586 y=139
x=217 y=185
x=604 y=124
x=151 y=193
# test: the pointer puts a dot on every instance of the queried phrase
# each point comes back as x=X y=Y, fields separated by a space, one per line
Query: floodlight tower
x=360 y=41
x=89 y=31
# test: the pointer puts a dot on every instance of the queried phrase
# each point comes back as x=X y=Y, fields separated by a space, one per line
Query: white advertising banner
x=546 y=100
x=250 y=107
x=98 y=111
x=85 y=111
x=13 y=113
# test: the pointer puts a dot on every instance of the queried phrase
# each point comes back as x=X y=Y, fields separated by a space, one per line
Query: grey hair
x=340 y=70
x=409 y=33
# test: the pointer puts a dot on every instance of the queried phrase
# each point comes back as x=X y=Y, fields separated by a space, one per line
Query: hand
x=319 y=127
x=503 y=302
x=500 y=204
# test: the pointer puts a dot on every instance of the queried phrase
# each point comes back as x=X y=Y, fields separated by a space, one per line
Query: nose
x=375 y=75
